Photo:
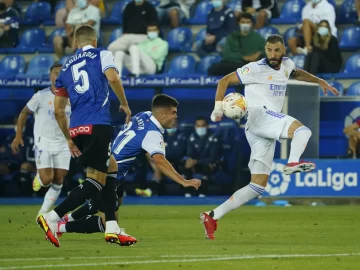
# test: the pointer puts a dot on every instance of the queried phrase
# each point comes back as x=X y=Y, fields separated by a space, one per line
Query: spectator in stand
x=100 y=5
x=314 y=12
x=14 y=5
x=240 y=48
x=146 y=57
x=262 y=10
x=175 y=145
x=353 y=132
x=175 y=11
x=203 y=155
x=9 y=26
x=137 y=16
x=61 y=14
x=326 y=55
x=83 y=13
x=220 y=23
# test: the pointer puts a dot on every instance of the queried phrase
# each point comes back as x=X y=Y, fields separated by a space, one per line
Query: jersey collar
x=87 y=47
x=157 y=124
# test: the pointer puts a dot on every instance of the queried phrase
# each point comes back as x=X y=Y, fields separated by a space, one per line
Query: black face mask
x=2 y=6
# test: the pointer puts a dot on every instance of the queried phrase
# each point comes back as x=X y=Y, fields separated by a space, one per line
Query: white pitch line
x=225 y=258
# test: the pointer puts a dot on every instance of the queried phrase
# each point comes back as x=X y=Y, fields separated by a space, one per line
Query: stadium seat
x=354 y=89
x=12 y=65
x=116 y=13
x=49 y=46
x=180 y=39
x=40 y=65
x=182 y=65
x=115 y=34
x=64 y=59
x=353 y=64
x=155 y=3
x=350 y=39
x=267 y=31
x=201 y=12
x=337 y=85
x=234 y=5
x=347 y=12
x=205 y=63
x=36 y=13
x=289 y=33
x=30 y=41
x=59 y=5
x=299 y=60
x=290 y=12
x=200 y=36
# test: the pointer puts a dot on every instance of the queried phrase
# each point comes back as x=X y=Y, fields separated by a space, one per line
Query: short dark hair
x=55 y=66
x=275 y=38
x=85 y=33
x=246 y=15
x=202 y=118
x=162 y=101
x=152 y=24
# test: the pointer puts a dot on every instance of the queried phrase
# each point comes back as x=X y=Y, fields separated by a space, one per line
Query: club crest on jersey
x=162 y=145
x=245 y=70
x=286 y=73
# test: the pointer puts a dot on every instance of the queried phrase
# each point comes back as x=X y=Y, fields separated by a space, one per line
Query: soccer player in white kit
x=52 y=154
x=265 y=87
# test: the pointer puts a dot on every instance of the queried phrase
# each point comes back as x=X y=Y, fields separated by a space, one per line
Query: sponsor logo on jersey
x=80 y=130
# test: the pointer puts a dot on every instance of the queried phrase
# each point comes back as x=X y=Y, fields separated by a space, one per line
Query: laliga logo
x=278 y=182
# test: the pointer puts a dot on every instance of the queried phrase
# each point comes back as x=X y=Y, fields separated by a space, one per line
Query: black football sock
x=87 y=209
x=109 y=197
x=88 y=224
x=78 y=196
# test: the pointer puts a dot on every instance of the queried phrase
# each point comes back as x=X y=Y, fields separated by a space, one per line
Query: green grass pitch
x=171 y=237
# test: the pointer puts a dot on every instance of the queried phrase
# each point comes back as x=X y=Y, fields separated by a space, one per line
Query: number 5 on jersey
x=80 y=76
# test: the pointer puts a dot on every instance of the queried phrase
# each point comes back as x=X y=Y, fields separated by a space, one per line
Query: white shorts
x=263 y=128
x=52 y=159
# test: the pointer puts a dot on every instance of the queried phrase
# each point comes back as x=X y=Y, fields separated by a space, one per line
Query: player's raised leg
x=300 y=136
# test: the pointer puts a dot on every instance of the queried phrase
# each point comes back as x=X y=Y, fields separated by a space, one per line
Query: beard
x=277 y=60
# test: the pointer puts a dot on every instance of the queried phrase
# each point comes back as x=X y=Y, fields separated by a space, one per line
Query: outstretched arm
x=302 y=75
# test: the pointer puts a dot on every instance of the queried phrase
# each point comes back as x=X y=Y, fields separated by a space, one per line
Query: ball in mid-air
x=234 y=106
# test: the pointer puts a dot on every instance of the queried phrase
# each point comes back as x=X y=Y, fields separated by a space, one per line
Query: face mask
x=323 y=31
x=245 y=27
x=2 y=6
x=217 y=3
x=152 y=34
x=81 y=3
x=138 y=1
x=171 y=130
x=201 y=131
x=315 y=1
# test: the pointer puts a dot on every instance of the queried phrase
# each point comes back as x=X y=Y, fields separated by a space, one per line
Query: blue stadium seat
x=115 y=34
x=59 y=5
x=49 y=46
x=64 y=59
x=353 y=64
x=180 y=39
x=205 y=63
x=299 y=60
x=182 y=65
x=36 y=13
x=12 y=65
x=350 y=39
x=347 y=12
x=116 y=13
x=290 y=12
x=40 y=65
x=337 y=85
x=354 y=89
x=200 y=36
x=30 y=41
x=234 y=5
x=155 y=3
x=267 y=31
x=201 y=12
x=289 y=33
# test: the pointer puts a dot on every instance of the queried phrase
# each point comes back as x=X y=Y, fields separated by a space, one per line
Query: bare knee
x=112 y=165
x=260 y=179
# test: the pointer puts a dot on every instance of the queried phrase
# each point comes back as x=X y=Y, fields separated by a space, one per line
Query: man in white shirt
x=52 y=154
x=265 y=88
x=83 y=13
x=314 y=12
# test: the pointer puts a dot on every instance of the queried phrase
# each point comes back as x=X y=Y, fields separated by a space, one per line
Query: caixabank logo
x=333 y=178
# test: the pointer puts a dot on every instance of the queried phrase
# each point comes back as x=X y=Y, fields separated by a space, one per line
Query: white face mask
x=171 y=130
x=201 y=131
x=152 y=34
x=245 y=27
x=323 y=31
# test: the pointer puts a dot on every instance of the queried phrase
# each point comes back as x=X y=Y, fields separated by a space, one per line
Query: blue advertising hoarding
x=331 y=178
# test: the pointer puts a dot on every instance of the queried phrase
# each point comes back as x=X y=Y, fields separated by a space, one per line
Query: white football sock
x=62 y=228
x=50 y=198
x=298 y=143
x=239 y=198
x=112 y=227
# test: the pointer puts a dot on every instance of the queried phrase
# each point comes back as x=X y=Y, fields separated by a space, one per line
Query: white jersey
x=47 y=133
x=265 y=86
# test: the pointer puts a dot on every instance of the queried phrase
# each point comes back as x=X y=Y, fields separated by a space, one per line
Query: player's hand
x=196 y=183
x=75 y=152
x=325 y=87
x=127 y=111
x=217 y=113
x=15 y=144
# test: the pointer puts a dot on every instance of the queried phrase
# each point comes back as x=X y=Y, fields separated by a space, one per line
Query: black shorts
x=95 y=146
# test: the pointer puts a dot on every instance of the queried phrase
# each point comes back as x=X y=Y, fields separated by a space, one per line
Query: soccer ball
x=234 y=106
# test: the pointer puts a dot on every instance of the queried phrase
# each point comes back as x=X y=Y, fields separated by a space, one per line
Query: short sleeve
x=248 y=74
x=60 y=89
x=34 y=102
x=107 y=61
x=153 y=143
x=291 y=65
